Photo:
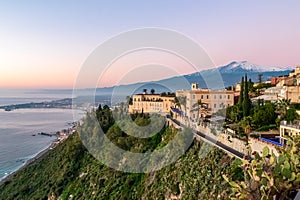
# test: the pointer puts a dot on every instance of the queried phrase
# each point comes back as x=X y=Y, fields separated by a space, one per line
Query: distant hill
x=247 y=67
x=231 y=74
x=227 y=75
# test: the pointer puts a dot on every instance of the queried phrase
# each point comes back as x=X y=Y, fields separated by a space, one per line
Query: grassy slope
x=58 y=174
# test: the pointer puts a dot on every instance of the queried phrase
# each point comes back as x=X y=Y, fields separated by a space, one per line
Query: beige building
x=295 y=72
x=292 y=93
x=211 y=100
x=292 y=80
x=151 y=103
x=288 y=130
x=238 y=87
x=290 y=86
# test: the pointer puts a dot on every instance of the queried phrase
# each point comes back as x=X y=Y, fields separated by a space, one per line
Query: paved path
x=214 y=142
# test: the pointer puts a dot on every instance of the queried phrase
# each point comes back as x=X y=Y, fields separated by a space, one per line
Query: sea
x=19 y=138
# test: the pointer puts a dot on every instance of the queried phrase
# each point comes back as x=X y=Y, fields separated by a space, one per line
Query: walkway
x=212 y=141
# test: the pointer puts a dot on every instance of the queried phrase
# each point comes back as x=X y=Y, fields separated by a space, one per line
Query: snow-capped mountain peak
x=245 y=66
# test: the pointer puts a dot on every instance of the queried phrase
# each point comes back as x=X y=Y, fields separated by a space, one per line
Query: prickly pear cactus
x=268 y=176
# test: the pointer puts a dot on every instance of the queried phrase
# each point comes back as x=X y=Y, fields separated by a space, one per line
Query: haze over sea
x=17 y=127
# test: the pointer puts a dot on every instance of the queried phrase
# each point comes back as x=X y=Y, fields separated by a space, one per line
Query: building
x=151 y=103
x=292 y=79
x=266 y=98
x=290 y=86
x=272 y=94
x=238 y=87
x=292 y=93
x=276 y=80
x=210 y=101
x=295 y=72
x=287 y=87
x=288 y=130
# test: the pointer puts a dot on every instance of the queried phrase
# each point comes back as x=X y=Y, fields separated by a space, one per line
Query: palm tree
x=182 y=102
x=176 y=102
x=199 y=106
x=246 y=125
x=152 y=91
x=179 y=102
x=282 y=106
x=129 y=100
x=196 y=107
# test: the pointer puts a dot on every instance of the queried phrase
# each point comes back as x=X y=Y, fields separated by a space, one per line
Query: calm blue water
x=17 y=144
x=8 y=97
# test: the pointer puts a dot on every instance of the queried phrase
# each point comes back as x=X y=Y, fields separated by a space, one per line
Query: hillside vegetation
x=70 y=171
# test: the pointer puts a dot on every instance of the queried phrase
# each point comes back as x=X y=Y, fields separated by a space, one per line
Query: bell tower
x=194 y=86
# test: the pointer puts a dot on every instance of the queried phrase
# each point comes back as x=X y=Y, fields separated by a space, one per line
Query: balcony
x=295 y=125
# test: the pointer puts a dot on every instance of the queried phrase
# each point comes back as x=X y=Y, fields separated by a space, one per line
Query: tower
x=260 y=78
x=194 y=86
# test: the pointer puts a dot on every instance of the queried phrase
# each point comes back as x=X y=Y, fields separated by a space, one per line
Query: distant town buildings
x=288 y=87
x=285 y=87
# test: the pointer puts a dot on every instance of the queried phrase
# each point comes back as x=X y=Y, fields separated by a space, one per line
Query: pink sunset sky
x=43 y=44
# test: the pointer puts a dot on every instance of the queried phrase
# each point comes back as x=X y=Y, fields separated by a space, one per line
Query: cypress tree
x=246 y=100
x=241 y=100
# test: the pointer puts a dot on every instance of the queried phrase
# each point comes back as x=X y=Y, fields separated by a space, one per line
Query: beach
x=21 y=137
x=63 y=136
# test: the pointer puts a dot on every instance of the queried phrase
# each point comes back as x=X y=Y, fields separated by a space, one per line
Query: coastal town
x=219 y=115
x=150 y=100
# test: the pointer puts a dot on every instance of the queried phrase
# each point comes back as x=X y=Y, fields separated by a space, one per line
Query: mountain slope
x=70 y=171
x=229 y=75
x=246 y=67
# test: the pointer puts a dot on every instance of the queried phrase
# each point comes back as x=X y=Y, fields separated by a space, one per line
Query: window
x=134 y=99
x=215 y=105
x=215 y=96
x=207 y=96
x=201 y=96
x=220 y=96
x=194 y=96
x=228 y=96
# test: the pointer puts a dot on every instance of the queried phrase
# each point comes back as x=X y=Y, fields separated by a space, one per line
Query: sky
x=44 y=44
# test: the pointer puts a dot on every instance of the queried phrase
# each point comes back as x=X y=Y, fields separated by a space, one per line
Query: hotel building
x=212 y=100
x=151 y=103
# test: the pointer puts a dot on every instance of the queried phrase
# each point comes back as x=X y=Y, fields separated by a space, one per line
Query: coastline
x=64 y=126
x=35 y=158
